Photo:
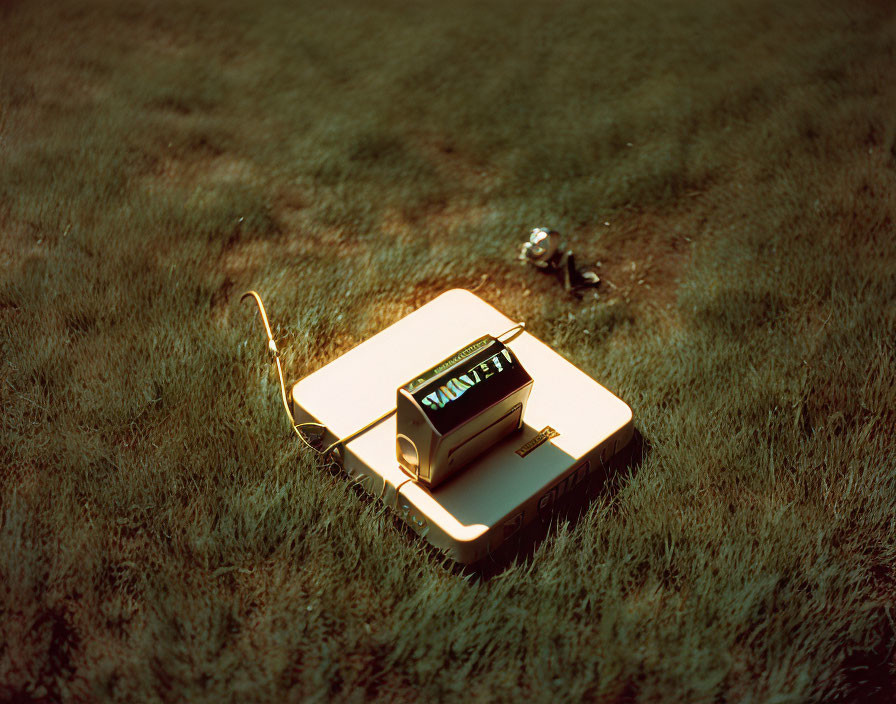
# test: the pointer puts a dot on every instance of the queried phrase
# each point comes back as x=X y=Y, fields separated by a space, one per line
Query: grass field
x=730 y=164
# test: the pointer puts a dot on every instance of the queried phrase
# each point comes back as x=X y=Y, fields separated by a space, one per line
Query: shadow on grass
x=869 y=676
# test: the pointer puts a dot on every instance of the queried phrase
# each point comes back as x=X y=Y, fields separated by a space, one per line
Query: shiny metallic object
x=541 y=248
x=545 y=251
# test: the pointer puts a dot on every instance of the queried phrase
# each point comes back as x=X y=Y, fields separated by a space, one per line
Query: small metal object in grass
x=541 y=249
x=545 y=251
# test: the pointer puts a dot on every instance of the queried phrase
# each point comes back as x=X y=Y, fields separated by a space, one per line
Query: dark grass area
x=730 y=165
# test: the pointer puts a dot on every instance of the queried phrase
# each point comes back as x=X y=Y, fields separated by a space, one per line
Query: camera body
x=458 y=409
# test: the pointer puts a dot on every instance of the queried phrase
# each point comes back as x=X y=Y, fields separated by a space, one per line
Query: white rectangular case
x=571 y=427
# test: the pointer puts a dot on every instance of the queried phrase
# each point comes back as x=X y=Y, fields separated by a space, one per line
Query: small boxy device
x=470 y=437
x=460 y=408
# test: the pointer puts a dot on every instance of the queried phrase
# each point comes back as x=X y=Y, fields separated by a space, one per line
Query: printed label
x=546 y=434
x=450 y=362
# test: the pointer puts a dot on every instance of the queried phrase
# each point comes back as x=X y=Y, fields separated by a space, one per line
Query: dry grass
x=731 y=165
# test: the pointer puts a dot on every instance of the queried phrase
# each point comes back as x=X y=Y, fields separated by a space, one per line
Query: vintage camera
x=450 y=414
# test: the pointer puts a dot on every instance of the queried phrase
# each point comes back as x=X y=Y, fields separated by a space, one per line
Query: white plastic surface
x=465 y=515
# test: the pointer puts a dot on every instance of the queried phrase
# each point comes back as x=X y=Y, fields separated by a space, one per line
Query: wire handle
x=275 y=357
x=515 y=331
